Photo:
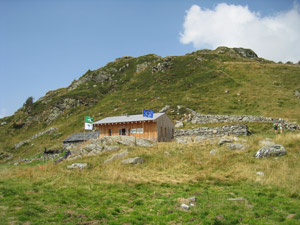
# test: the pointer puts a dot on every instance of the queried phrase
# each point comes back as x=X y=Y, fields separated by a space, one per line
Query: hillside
x=200 y=178
x=222 y=81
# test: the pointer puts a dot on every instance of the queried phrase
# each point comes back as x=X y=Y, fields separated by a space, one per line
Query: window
x=139 y=130
x=133 y=131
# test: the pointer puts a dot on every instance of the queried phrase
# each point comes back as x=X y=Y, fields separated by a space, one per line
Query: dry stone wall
x=236 y=130
x=197 y=118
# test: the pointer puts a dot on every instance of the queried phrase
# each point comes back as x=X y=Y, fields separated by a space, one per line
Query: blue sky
x=46 y=44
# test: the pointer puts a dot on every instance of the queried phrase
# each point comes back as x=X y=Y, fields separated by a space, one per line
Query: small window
x=133 y=131
x=139 y=130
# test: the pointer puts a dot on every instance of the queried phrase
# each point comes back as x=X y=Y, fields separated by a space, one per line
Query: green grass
x=151 y=193
x=99 y=203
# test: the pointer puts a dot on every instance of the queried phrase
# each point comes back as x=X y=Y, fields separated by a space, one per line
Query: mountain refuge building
x=158 y=128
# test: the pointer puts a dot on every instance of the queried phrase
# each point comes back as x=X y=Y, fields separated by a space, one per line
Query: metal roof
x=129 y=118
x=78 y=137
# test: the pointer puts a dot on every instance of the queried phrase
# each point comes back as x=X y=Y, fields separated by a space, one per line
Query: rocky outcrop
x=163 y=66
x=60 y=107
x=141 y=67
x=105 y=144
x=241 y=52
x=236 y=130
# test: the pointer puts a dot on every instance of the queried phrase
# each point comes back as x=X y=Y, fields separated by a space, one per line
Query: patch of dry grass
x=178 y=163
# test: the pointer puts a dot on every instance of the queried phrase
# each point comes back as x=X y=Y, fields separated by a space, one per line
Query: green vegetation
x=151 y=193
x=210 y=82
x=198 y=81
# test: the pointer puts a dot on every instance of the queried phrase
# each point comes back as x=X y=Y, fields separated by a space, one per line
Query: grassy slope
x=256 y=87
x=151 y=193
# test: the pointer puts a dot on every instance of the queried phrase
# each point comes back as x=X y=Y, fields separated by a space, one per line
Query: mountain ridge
x=221 y=81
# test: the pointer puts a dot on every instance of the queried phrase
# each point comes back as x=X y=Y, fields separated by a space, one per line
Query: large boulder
x=270 y=150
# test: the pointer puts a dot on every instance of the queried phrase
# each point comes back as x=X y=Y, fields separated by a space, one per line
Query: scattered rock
x=236 y=199
x=270 y=150
x=77 y=166
x=136 y=160
x=200 y=138
x=296 y=94
x=213 y=152
x=126 y=142
x=110 y=148
x=71 y=158
x=167 y=154
x=238 y=147
x=165 y=109
x=185 y=207
x=3 y=123
x=184 y=140
x=144 y=142
x=116 y=156
x=192 y=199
x=179 y=124
x=260 y=173
x=224 y=140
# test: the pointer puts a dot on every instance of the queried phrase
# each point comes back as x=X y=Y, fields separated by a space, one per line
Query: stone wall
x=201 y=118
x=236 y=130
x=50 y=130
x=195 y=118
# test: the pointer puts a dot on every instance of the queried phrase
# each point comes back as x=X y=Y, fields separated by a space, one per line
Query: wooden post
x=84 y=128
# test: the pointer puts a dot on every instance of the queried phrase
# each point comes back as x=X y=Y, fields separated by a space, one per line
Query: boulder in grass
x=270 y=150
x=237 y=147
x=136 y=160
x=77 y=166
x=225 y=140
x=116 y=156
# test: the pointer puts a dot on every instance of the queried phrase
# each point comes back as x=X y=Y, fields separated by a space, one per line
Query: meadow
x=151 y=193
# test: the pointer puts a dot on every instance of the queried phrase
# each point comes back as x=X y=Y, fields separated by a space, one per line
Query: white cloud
x=3 y=113
x=275 y=37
